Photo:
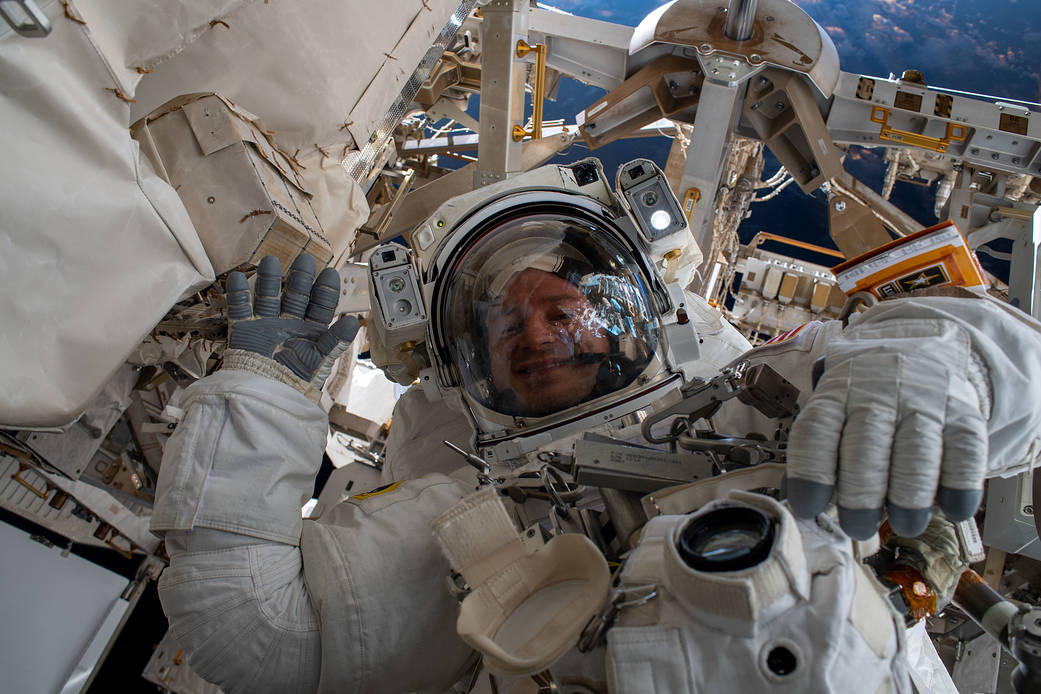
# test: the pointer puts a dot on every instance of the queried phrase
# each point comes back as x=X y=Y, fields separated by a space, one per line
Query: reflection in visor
x=616 y=299
x=543 y=313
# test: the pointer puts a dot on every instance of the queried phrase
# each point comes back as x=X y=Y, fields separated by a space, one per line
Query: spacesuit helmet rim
x=568 y=245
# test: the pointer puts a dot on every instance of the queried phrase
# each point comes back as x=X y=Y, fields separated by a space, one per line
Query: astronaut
x=532 y=312
x=542 y=348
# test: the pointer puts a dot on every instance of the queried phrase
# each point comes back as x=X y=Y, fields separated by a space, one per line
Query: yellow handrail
x=766 y=236
x=955 y=133
x=539 y=91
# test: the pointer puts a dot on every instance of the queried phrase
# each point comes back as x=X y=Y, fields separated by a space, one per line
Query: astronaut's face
x=546 y=342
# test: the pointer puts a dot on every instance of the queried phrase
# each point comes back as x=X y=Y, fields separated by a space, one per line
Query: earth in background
x=990 y=48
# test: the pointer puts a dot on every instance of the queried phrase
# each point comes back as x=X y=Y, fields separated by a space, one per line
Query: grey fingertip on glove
x=807 y=499
x=267 y=287
x=325 y=295
x=237 y=295
x=297 y=293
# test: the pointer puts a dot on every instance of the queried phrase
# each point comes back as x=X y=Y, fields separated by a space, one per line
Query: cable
x=775 y=191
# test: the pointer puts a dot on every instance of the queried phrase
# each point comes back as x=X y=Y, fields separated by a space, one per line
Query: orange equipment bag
x=931 y=257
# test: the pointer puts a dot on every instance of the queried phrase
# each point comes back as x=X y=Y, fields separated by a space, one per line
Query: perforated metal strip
x=359 y=162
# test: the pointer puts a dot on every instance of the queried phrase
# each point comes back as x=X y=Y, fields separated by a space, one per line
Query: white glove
x=896 y=420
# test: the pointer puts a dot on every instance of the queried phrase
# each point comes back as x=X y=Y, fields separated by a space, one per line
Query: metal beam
x=468 y=142
x=444 y=108
x=988 y=133
x=718 y=111
x=504 y=23
x=588 y=50
x=890 y=215
x=1024 y=289
x=740 y=19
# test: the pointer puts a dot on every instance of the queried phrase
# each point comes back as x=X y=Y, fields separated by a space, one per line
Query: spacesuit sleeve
x=1003 y=366
x=263 y=601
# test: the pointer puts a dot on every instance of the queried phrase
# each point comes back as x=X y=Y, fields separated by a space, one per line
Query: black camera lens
x=585 y=173
x=727 y=539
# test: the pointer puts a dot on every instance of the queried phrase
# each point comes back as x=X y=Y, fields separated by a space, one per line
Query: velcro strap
x=478 y=536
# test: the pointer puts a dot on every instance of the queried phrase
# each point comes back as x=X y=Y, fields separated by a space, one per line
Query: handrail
x=955 y=133
x=538 y=93
x=767 y=236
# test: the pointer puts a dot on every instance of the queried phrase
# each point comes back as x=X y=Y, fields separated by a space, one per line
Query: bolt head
x=840 y=205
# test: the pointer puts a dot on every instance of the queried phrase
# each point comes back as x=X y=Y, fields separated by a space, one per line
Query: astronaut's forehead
x=534 y=286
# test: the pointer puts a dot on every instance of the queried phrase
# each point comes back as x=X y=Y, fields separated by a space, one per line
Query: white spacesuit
x=539 y=311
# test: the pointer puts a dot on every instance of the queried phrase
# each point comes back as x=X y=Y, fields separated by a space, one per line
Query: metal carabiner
x=593 y=632
x=548 y=473
x=546 y=683
x=651 y=594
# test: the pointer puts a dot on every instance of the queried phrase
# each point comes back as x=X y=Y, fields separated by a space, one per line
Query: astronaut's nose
x=538 y=333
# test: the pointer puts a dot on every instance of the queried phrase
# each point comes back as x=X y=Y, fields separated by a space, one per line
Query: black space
x=121 y=671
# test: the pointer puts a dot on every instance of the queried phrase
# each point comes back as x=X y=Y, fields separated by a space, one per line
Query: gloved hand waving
x=285 y=334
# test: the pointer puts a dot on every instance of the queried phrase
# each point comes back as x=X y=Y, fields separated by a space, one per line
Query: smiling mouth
x=531 y=369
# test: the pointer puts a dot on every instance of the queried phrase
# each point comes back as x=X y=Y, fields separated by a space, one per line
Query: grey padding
x=860 y=523
x=909 y=522
x=959 y=504
x=298 y=286
x=237 y=290
x=807 y=498
x=267 y=287
x=304 y=356
x=325 y=295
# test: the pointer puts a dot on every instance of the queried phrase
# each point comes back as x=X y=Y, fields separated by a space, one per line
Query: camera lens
x=650 y=198
x=727 y=539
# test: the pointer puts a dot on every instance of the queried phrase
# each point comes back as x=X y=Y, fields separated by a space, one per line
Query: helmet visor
x=546 y=311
